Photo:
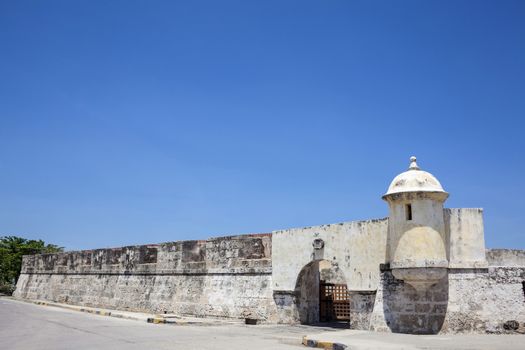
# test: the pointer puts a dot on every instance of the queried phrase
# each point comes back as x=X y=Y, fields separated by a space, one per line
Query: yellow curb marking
x=326 y=345
x=156 y=320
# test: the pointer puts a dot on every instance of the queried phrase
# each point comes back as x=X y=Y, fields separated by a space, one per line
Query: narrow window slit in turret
x=408 y=212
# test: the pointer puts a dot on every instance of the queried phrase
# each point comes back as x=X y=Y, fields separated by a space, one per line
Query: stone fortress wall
x=227 y=277
x=349 y=252
x=267 y=277
x=245 y=276
x=489 y=300
x=470 y=300
x=484 y=290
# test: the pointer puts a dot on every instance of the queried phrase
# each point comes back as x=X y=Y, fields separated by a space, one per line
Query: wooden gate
x=334 y=302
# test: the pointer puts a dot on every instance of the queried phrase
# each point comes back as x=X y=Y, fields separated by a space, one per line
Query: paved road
x=26 y=326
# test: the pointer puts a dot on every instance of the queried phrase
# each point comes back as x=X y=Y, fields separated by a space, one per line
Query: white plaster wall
x=330 y=273
x=357 y=247
x=465 y=236
x=419 y=242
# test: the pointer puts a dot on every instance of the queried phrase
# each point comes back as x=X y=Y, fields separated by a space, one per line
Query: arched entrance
x=322 y=295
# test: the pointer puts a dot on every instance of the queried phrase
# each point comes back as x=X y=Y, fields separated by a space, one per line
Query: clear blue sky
x=127 y=122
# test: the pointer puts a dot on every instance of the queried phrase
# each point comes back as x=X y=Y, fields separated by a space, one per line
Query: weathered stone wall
x=490 y=300
x=274 y=278
x=350 y=253
x=482 y=292
x=505 y=257
x=357 y=249
x=361 y=307
x=222 y=277
x=400 y=308
x=486 y=300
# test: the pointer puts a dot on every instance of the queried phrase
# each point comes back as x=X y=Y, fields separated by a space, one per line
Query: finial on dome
x=413 y=164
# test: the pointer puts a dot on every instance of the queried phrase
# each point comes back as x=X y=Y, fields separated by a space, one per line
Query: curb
x=96 y=312
x=149 y=318
x=327 y=345
x=93 y=311
x=156 y=319
x=179 y=322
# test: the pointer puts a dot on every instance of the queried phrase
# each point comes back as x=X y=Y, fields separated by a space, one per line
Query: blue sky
x=127 y=122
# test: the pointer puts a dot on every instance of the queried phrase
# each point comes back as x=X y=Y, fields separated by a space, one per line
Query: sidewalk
x=137 y=316
x=364 y=340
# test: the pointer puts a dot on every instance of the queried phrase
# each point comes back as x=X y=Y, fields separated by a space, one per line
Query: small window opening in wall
x=523 y=288
x=408 y=212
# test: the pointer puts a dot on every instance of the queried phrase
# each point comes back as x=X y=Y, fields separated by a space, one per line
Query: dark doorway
x=322 y=295
x=334 y=302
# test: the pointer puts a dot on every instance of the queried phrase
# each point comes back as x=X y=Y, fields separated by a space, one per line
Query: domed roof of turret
x=414 y=180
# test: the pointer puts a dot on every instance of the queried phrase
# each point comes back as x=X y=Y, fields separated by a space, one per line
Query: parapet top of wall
x=237 y=254
x=465 y=237
x=506 y=257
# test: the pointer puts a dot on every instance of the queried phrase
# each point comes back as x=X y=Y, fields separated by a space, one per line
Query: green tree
x=12 y=249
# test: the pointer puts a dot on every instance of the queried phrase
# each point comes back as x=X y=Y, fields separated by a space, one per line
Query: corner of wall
x=465 y=238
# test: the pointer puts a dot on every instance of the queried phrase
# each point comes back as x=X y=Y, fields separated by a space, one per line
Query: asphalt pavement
x=26 y=326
